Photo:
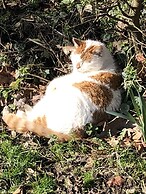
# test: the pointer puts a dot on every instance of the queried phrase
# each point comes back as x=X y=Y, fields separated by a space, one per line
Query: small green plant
x=5 y=92
x=134 y=89
x=44 y=185
x=90 y=130
x=3 y=59
x=33 y=1
x=67 y=1
x=21 y=75
x=88 y=179
x=15 y=162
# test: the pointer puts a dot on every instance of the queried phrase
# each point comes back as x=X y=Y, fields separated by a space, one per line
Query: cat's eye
x=97 y=53
x=96 y=50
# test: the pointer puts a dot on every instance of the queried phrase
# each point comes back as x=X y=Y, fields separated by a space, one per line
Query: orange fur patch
x=38 y=126
x=44 y=131
x=15 y=123
x=89 y=52
x=81 y=47
x=114 y=80
x=99 y=94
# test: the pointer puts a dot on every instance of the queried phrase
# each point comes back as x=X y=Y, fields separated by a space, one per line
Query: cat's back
x=76 y=85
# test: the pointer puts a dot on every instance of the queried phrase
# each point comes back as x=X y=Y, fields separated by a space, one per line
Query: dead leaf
x=89 y=163
x=133 y=136
x=19 y=190
x=127 y=141
x=13 y=134
x=30 y=171
x=115 y=181
x=140 y=57
x=130 y=191
x=5 y=77
x=140 y=146
x=137 y=133
x=113 y=141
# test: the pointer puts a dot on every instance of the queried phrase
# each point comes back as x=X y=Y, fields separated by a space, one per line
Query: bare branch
x=130 y=6
x=4 y=4
x=124 y=14
x=117 y=19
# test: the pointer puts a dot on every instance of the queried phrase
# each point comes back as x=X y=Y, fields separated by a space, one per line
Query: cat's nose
x=78 y=65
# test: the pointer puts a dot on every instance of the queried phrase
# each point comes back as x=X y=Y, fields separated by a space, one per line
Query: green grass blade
x=127 y=117
x=136 y=107
x=143 y=112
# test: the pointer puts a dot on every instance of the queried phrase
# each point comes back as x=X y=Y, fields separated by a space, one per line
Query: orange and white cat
x=73 y=100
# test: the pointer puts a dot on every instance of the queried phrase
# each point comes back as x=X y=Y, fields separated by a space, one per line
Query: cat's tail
x=21 y=124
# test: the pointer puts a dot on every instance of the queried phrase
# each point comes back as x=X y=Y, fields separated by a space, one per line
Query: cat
x=76 y=99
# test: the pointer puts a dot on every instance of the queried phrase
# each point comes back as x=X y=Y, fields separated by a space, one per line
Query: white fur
x=65 y=106
x=97 y=63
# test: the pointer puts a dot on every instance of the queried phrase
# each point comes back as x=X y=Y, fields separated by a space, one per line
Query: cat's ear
x=77 y=42
x=67 y=49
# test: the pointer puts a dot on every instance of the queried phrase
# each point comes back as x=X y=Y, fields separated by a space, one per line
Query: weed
x=15 y=161
x=88 y=179
x=134 y=89
x=46 y=168
x=131 y=163
x=44 y=185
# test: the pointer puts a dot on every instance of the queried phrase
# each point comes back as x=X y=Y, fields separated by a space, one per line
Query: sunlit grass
x=45 y=167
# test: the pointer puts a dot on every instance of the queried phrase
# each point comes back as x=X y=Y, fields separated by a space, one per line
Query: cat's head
x=89 y=55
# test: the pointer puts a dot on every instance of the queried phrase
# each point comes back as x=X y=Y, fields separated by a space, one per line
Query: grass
x=44 y=166
x=88 y=179
x=45 y=184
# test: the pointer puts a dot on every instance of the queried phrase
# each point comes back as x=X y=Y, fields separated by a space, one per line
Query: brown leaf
x=133 y=136
x=140 y=57
x=113 y=141
x=127 y=141
x=137 y=135
x=140 y=146
x=19 y=190
x=89 y=164
x=5 y=77
x=115 y=181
